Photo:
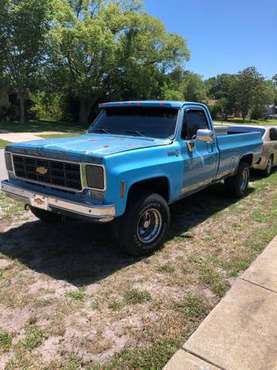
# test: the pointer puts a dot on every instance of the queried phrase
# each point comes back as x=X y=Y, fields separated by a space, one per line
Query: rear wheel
x=237 y=185
x=46 y=216
x=268 y=170
x=144 y=226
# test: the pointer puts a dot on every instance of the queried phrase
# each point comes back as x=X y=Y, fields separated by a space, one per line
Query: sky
x=224 y=36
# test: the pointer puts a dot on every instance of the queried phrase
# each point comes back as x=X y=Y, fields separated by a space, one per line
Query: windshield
x=157 y=122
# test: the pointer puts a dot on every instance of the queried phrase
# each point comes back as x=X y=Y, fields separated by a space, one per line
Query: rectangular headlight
x=8 y=159
x=95 y=176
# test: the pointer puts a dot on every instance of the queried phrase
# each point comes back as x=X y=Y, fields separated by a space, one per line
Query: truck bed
x=233 y=130
x=234 y=146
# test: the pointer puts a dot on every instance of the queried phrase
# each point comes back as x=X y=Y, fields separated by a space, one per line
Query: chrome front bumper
x=101 y=213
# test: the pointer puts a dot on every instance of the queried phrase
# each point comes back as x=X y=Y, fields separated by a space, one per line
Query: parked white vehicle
x=269 y=153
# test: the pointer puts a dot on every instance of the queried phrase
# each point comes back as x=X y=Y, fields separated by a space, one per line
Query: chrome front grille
x=58 y=174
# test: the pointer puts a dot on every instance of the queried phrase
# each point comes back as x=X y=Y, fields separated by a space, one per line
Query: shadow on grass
x=84 y=253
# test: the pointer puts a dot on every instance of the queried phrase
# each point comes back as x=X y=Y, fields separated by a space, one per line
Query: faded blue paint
x=85 y=148
x=148 y=103
x=133 y=159
x=151 y=103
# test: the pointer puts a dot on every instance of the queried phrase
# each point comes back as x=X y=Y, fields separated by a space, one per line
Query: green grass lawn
x=238 y=121
x=39 y=126
x=54 y=136
x=3 y=143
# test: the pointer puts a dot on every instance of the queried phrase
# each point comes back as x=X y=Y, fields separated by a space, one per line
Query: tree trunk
x=244 y=114
x=22 y=107
x=85 y=107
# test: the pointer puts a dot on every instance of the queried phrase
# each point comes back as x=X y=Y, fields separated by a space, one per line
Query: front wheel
x=237 y=185
x=144 y=226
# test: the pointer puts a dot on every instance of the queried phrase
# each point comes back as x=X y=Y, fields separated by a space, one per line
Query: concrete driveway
x=240 y=332
x=17 y=137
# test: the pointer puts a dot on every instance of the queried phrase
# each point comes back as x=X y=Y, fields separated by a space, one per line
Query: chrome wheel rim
x=149 y=225
x=244 y=179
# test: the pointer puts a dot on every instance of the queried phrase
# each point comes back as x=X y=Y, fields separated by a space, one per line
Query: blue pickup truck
x=135 y=160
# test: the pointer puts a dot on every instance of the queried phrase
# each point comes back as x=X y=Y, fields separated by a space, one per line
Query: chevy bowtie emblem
x=41 y=170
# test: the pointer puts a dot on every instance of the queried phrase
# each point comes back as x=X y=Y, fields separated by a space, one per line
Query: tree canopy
x=24 y=26
x=246 y=93
x=67 y=55
x=105 y=49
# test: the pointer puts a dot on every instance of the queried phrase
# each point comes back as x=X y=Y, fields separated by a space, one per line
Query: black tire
x=267 y=172
x=145 y=216
x=46 y=216
x=237 y=185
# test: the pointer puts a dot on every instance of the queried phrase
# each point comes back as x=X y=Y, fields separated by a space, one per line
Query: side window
x=193 y=121
x=273 y=134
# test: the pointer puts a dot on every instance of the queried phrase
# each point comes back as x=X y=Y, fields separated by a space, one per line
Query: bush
x=47 y=106
x=216 y=110
x=135 y=296
x=258 y=112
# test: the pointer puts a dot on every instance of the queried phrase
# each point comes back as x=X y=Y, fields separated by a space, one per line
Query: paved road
x=3 y=172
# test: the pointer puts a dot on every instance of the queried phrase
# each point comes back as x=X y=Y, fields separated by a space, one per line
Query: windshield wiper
x=101 y=130
x=134 y=132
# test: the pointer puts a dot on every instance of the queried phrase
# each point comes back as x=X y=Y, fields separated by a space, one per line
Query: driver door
x=200 y=158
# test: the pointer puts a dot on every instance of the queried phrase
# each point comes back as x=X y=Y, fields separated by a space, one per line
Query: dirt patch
x=13 y=320
x=4 y=264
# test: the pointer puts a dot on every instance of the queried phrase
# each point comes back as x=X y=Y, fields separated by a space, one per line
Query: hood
x=84 y=147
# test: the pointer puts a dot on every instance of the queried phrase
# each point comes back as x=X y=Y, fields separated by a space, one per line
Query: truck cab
x=135 y=160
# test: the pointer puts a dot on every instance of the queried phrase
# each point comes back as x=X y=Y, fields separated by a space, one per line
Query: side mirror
x=205 y=135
